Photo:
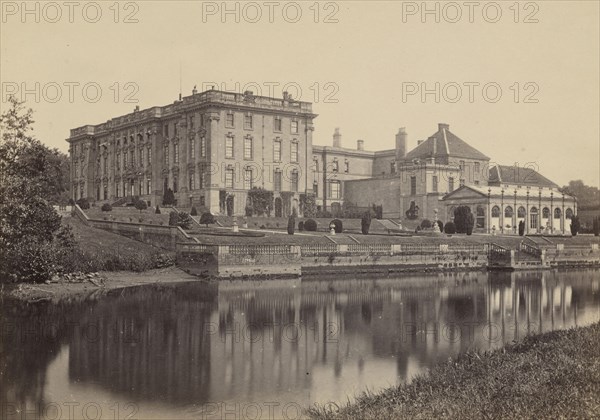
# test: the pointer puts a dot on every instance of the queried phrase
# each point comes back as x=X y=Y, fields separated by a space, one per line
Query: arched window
x=557 y=213
x=480 y=220
x=545 y=212
x=508 y=211
x=568 y=213
x=521 y=212
x=533 y=210
x=495 y=211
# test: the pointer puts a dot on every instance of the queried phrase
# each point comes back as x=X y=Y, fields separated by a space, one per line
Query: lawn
x=553 y=375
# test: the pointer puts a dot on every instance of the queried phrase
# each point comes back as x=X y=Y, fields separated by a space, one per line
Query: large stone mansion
x=212 y=147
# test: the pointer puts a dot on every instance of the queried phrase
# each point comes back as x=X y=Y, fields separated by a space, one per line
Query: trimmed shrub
x=173 y=218
x=157 y=211
x=462 y=221
x=365 y=223
x=450 y=228
x=310 y=225
x=521 y=228
x=426 y=224
x=194 y=212
x=470 y=222
x=337 y=225
x=83 y=203
x=300 y=226
x=291 y=227
x=106 y=207
x=168 y=198
x=575 y=225
x=140 y=205
x=207 y=218
x=440 y=225
x=596 y=226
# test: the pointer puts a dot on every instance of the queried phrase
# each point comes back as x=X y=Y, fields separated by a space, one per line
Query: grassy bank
x=553 y=375
x=99 y=250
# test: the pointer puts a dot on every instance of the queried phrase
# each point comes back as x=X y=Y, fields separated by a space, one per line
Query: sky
x=519 y=81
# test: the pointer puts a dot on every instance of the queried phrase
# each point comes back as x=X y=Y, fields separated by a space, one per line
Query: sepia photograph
x=302 y=209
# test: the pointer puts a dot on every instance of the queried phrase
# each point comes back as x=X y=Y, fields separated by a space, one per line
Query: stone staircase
x=389 y=225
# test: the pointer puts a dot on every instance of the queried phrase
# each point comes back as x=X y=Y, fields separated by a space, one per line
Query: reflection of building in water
x=189 y=345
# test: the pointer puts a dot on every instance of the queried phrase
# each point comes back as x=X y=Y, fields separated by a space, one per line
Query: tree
x=207 y=218
x=140 y=205
x=157 y=210
x=310 y=225
x=173 y=218
x=521 y=228
x=168 y=198
x=588 y=197
x=440 y=225
x=194 y=211
x=365 y=223
x=308 y=205
x=291 y=226
x=462 y=219
x=260 y=201
x=106 y=207
x=33 y=244
x=338 y=227
x=596 y=226
x=575 y=225
x=426 y=224
x=470 y=223
x=83 y=203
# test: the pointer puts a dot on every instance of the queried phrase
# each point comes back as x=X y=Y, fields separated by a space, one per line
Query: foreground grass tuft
x=552 y=375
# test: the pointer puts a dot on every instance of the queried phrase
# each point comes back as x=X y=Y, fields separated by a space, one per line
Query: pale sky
x=355 y=70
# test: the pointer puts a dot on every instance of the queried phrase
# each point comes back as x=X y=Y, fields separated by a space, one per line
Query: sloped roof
x=446 y=144
x=504 y=174
x=496 y=192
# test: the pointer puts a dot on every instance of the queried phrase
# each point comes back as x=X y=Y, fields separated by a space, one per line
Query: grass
x=99 y=250
x=552 y=375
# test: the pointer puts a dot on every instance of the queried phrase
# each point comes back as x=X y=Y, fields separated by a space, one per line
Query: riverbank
x=552 y=375
x=96 y=285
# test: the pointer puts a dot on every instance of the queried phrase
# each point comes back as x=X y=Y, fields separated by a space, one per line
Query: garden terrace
x=129 y=214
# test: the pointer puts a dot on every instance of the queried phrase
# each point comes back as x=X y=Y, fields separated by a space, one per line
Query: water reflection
x=271 y=347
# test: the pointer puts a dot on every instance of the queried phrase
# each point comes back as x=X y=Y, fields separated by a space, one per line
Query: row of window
x=249 y=123
x=249 y=149
x=508 y=212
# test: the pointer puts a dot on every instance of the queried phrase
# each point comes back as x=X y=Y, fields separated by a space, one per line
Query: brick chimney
x=401 y=144
x=360 y=145
x=442 y=126
x=337 y=138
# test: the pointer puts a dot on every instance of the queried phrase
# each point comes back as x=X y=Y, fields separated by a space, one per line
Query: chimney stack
x=442 y=126
x=360 y=145
x=419 y=142
x=337 y=138
x=401 y=144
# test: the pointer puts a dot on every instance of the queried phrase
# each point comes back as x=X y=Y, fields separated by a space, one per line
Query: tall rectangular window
x=248 y=148
x=142 y=156
x=175 y=184
x=176 y=152
x=476 y=168
x=175 y=129
x=316 y=189
x=277 y=151
x=125 y=158
x=294 y=152
x=105 y=164
x=450 y=184
x=248 y=179
x=461 y=182
x=413 y=185
x=201 y=180
x=191 y=122
x=165 y=130
x=277 y=124
x=149 y=154
x=434 y=186
x=230 y=120
x=203 y=146
x=229 y=178
x=334 y=189
x=277 y=180
x=166 y=155
x=149 y=186
x=346 y=166
x=191 y=181
x=461 y=165
x=248 y=123
x=117 y=189
x=294 y=127
x=193 y=148
x=132 y=155
x=229 y=147
x=294 y=181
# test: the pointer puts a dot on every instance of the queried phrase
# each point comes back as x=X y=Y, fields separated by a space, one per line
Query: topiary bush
x=596 y=226
x=575 y=225
x=426 y=224
x=207 y=218
x=338 y=227
x=106 y=207
x=173 y=218
x=157 y=211
x=291 y=227
x=83 y=203
x=365 y=223
x=440 y=225
x=140 y=205
x=521 y=228
x=300 y=226
x=310 y=225
x=194 y=212
x=450 y=228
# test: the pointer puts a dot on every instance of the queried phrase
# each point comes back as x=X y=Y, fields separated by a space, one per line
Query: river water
x=242 y=349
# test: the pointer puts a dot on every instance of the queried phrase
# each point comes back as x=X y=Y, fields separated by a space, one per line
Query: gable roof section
x=465 y=190
x=504 y=174
x=445 y=143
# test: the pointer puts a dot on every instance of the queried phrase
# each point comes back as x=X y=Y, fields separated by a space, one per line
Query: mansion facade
x=211 y=148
